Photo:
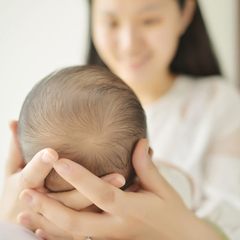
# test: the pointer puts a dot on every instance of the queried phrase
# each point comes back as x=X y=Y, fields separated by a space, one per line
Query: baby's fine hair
x=87 y=114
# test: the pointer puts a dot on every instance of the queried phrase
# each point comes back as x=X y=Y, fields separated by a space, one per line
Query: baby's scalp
x=87 y=114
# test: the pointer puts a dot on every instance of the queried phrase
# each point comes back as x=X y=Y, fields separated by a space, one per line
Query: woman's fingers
x=72 y=199
x=34 y=221
x=114 y=179
x=102 y=194
x=73 y=222
x=46 y=236
x=75 y=200
x=148 y=174
x=15 y=160
x=49 y=208
x=35 y=172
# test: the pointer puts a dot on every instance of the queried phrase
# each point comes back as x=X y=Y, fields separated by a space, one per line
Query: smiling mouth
x=136 y=65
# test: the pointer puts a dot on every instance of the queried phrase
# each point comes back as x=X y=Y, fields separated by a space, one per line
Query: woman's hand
x=19 y=177
x=154 y=212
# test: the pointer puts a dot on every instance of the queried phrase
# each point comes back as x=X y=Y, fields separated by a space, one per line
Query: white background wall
x=222 y=19
x=38 y=36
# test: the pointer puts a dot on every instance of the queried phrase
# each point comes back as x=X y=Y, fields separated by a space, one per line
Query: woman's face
x=137 y=39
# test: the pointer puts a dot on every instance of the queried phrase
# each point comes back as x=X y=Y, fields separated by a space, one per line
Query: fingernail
x=61 y=167
x=120 y=180
x=26 y=198
x=47 y=157
x=24 y=221
x=40 y=233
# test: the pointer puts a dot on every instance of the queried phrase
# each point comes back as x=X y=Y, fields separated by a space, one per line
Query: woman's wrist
x=218 y=229
x=198 y=229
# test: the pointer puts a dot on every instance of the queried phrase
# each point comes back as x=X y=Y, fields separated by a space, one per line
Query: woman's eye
x=150 y=21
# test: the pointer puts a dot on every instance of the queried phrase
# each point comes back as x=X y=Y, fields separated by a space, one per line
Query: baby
x=88 y=115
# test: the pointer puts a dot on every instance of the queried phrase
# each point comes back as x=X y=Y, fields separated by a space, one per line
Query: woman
x=193 y=125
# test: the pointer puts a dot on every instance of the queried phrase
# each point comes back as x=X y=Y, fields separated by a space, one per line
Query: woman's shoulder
x=216 y=99
x=203 y=81
x=214 y=88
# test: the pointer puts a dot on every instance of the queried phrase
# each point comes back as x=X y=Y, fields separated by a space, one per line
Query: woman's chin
x=135 y=80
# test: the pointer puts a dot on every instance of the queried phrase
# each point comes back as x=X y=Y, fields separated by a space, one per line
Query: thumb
x=15 y=160
x=148 y=174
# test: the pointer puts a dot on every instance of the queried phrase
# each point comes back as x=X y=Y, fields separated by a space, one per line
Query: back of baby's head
x=88 y=115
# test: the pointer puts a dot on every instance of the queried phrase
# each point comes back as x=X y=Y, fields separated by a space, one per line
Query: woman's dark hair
x=195 y=55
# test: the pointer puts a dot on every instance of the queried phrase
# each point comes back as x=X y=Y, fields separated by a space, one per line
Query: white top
x=9 y=231
x=196 y=127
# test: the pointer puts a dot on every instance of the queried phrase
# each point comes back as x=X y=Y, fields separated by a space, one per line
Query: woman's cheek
x=165 y=44
x=103 y=43
x=99 y=38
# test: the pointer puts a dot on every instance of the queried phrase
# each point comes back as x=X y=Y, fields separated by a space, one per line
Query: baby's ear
x=13 y=125
x=15 y=130
x=150 y=151
x=15 y=160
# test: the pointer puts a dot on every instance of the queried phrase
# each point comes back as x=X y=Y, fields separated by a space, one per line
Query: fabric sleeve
x=9 y=231
x=221 y=170
x=179 y=180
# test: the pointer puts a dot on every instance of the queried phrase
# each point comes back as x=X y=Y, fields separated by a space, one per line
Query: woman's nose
x=130 y=40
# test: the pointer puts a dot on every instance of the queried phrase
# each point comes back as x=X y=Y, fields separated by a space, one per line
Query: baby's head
x=88 y=115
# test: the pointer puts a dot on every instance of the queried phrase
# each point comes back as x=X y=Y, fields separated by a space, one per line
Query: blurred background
x=37 y=37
